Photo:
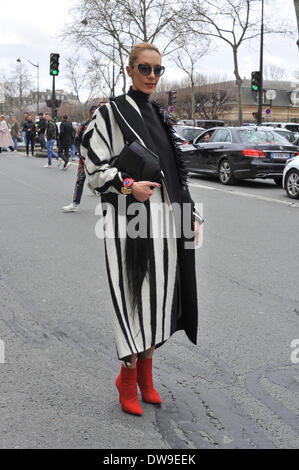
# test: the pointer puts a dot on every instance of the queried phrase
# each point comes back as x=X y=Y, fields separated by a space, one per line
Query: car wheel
x=278 y=180
x=225 y=173
x=292 y=184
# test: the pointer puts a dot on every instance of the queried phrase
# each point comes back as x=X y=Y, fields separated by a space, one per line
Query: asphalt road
x=237 y=389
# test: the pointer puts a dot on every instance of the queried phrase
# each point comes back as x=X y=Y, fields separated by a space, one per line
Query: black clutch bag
x=139 y=162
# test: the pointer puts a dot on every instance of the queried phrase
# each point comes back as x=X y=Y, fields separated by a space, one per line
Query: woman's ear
x=129 y=70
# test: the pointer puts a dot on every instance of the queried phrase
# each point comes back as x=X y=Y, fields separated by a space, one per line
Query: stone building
x=30 y=100
x=284 y=107
x=219 y=101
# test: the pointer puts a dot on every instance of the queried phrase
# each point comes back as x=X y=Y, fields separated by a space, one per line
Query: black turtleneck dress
x=169 y=298
x=161 y=145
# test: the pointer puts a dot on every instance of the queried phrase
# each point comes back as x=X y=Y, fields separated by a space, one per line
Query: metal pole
x=260 y=105
x=53 y=100
x=37 y=88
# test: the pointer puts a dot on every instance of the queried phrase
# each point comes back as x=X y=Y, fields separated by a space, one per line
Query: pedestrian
x=26 y=114
x=30 y=130
x=14 y=131
x=65 y=140
x=152 y=279
x=5 y=137
x=51 y=135
x=42 y=124
x=73 y=207
x=73 y=146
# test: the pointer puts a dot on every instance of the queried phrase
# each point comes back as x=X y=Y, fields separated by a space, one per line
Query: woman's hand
x=143 y=190
x=197 y=232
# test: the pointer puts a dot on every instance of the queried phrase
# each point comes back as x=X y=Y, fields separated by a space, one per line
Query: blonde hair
x=138 y=48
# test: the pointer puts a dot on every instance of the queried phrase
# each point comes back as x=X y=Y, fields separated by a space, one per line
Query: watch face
x=128 y=182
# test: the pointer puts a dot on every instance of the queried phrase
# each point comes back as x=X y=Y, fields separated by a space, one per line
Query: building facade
x=30 y=101
x=284 y=105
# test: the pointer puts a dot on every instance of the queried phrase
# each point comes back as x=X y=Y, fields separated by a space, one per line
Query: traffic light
x=54 y=64
x=255 y=81
x=254 y=115
x=171 y=97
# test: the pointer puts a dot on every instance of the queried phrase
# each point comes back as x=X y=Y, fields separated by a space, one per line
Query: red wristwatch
x=127 y=186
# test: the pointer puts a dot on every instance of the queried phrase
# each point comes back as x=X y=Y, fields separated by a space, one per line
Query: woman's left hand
x=197 y=232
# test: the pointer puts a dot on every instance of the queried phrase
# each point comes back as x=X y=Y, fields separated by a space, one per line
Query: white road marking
x=240 y=193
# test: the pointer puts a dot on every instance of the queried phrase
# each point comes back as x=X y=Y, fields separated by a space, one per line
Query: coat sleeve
x=102 y=141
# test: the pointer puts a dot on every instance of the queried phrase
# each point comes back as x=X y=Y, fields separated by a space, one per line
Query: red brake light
x=253 y=153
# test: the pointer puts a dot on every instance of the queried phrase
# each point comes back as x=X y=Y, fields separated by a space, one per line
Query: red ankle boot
x=126 y=383
x=145 y=381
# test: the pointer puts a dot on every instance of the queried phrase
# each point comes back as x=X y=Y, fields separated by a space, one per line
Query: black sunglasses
x=146 y=69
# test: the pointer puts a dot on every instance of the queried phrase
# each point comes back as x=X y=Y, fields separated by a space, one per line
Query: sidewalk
x=37 y=152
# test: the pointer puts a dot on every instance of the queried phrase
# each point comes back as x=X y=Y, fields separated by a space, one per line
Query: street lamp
x=37 y=66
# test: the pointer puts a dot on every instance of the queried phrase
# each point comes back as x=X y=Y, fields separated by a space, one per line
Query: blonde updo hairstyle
x=138 y=48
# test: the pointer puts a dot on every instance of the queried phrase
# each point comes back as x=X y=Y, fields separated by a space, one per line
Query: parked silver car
x=290 y=178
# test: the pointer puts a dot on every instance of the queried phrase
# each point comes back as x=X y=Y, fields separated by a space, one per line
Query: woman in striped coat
x=151 y=276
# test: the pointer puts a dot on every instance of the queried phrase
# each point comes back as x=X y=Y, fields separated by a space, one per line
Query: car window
x=259 y=137
x=221 y=135
x=202 y=138
x=190 y=133
x=292 y=127
x=287 y=135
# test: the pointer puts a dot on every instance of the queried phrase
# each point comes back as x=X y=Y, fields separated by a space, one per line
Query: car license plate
x=281 y=156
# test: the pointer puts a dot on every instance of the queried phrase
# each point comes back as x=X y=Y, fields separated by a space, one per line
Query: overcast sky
x=30 y=30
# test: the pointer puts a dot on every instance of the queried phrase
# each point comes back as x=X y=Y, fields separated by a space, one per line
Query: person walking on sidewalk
x=66 y=132
x=30 y=131
x=5 y=137
x=79 y=186
x=51 y=134
x=26 y=114
x=151 y=277
x=73 y=147
x=14 y=131
x=42 y=125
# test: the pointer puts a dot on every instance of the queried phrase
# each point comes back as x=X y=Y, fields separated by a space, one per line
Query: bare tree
x=213 y=96
x=16 y=86
x=76 y=75
x=110 y=28
x=232 y=22
x=296 y=74
x=213 y=99
x=187 y=60
x=274 y=72
x=82 y=75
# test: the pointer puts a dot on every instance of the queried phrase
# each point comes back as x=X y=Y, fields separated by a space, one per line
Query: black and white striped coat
x=169 y=298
